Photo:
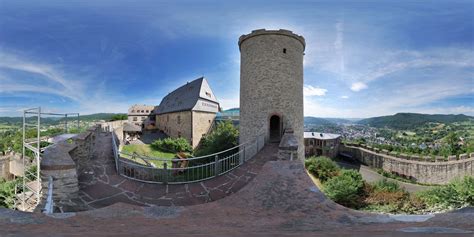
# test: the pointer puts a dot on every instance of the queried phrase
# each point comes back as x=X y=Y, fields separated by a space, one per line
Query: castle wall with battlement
x=422 y=170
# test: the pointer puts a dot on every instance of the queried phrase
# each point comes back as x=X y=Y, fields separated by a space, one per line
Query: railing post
x=216 y=163
x=243 y=157
x=258 y=148
x=165 y=167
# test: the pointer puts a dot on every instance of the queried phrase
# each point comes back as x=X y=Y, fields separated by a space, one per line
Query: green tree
x=225 y=136
x=322 y=167
x=345 y=189
x=452 y=140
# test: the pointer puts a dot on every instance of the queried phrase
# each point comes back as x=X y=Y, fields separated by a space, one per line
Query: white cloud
x=358 y=86
x=344 y=97
x=61 y=86
x=313 y=91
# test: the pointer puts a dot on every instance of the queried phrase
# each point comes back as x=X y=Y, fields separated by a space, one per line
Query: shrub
x=458 y=193
x=322 y=167
x=7 y=192
x=225 y=136
x=345 y=189
x=385 y=185
x=172 y=145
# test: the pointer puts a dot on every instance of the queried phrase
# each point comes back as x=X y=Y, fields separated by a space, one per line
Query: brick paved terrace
x=101 y=186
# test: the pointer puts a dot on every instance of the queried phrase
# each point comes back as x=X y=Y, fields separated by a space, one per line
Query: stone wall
x=64 y=161
x=5 y=167
x=422 y=170
x=116 y=126
x=271 y=83
x=177 y=124
x=202 y=122
x=288 y=147
x=16 y=165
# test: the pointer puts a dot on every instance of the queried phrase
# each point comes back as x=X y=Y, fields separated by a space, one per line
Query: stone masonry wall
x=64 y=161
x=4 y=167
x=422 y=171
x=271 y=83
x=202 y=123
x=174 y=127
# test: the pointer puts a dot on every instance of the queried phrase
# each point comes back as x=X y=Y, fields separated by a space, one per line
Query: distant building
x=188 y=111
x=321 y=144
x=142 y=116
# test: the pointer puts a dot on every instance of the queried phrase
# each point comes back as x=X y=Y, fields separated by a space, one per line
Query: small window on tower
x=284 y=50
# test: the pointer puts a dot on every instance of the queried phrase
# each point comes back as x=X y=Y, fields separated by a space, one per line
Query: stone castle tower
x=271 y=86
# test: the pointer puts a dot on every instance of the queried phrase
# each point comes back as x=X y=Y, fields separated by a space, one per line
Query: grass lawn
x=146 y=150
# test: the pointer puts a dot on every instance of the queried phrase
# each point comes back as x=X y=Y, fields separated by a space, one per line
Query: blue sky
x=362 y=59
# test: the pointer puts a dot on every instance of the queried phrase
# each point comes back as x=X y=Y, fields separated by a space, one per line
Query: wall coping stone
x=57 y=157
x=415 y=162
x=288 y=141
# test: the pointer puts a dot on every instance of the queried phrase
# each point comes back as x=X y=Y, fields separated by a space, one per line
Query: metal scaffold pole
x=38 y=146
x=22 y=199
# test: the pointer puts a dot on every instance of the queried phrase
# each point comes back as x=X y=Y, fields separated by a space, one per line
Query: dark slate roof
x=187 y=96
x=128 y=127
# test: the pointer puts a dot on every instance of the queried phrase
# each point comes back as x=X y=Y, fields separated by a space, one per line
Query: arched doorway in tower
x=275 y=128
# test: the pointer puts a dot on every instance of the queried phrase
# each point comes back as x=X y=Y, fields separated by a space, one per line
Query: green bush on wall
x=456 y=194
x=172 y=145
x=224 y=137
x=322 y=167
x=346 y=188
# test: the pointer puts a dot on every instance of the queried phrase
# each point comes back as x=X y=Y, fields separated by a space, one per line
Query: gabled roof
x=128 y=127
x=187 y=97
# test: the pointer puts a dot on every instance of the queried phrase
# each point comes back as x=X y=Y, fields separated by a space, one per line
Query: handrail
x=190 y=172
x=48 y=208
x=187 y=159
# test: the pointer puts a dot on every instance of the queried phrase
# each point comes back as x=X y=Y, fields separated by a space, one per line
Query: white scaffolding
x=30 y=195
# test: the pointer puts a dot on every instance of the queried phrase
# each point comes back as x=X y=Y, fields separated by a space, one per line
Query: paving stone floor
x=100 y=186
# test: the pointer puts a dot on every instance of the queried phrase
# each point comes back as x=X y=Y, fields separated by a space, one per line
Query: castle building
x=321 y=144
x=142 y=116
x=188 y=111
x=271 y=86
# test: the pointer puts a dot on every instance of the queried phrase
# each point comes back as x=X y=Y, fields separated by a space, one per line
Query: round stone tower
x=271 y=86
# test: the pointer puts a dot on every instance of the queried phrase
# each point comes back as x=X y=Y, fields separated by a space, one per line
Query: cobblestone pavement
x=100 y=186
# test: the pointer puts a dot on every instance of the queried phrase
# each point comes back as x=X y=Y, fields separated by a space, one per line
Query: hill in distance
x=326 y=121
x=57 y=119
x=412 y=120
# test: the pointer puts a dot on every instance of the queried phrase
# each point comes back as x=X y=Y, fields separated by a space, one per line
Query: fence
x=178 y=171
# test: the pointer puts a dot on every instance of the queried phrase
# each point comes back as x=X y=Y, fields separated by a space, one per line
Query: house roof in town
x=128 y=127
x=136 y=108
x=321 y=136
x=188 y=96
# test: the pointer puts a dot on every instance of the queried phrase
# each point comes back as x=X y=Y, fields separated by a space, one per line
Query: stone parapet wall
x=116 y=127
x=16 y=165
x=417 y=168
x=288 y=147
x=4 y=167
x=64 y=161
